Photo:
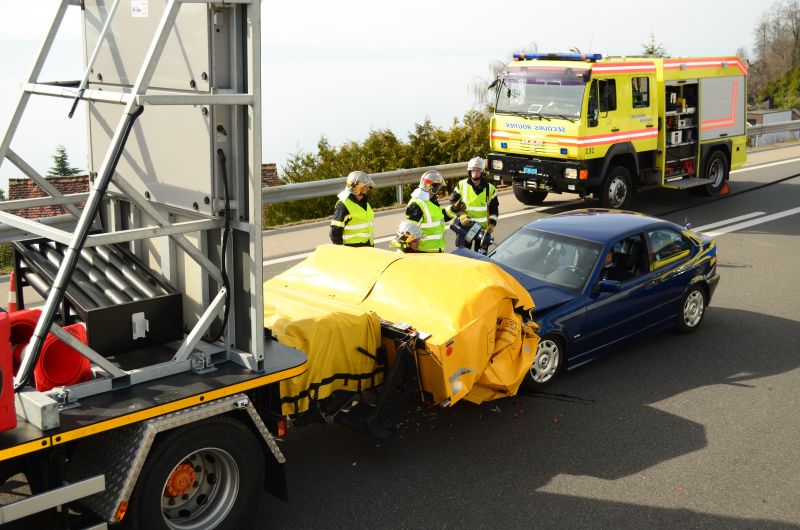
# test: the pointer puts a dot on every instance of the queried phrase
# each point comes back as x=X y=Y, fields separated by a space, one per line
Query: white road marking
x=753 y=222
x=727 y=221
x=762 y=166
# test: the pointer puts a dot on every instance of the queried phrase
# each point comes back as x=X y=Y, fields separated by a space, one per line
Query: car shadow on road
x=474 y=466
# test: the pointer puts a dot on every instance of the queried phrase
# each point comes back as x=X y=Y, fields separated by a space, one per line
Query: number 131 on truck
x=607 y=127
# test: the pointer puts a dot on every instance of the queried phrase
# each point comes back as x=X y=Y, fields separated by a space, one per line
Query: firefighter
x=479 y=197
x=352 y=220
x=408 y=237
x=425 y=210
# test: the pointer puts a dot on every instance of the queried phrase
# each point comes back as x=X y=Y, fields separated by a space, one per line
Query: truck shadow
x=473 y=466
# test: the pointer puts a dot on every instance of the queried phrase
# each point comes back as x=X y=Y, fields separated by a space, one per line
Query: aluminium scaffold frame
x=242 y=338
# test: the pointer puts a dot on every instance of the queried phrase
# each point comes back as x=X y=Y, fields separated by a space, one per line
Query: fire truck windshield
x=545 y=92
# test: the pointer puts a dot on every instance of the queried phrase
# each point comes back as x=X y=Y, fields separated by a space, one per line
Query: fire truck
x=604 y=128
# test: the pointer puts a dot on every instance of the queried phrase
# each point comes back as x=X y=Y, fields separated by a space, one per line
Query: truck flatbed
x=124 y=406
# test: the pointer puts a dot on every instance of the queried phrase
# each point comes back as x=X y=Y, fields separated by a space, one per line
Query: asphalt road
x=697 y=431
x=671 y=431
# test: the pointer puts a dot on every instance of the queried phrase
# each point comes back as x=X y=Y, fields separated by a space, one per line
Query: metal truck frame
x=607 y=127
x=164 y=434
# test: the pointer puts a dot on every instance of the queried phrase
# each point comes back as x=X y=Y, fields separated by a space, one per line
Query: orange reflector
x=583 y=174
x=283 y=426
x=123 y=507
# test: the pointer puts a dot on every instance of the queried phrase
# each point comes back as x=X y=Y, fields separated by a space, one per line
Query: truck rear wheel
x=617 y=189
x=202 y=476
x=529 y=197
x=716 y=170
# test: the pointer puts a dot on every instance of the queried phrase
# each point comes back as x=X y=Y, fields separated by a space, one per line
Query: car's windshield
x=557 y=259
x=547 y=92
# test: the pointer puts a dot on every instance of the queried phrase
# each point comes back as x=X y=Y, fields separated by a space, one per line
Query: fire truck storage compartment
x=125 y=305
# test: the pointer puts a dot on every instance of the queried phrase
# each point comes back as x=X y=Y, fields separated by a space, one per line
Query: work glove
x=459 y=206
x=463 y=220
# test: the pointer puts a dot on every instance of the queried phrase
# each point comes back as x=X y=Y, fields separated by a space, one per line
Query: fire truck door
x=610 y=104
x=722 y=107
x=644 y=115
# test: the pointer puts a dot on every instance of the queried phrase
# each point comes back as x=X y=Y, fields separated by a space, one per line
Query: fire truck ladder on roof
x=128 y=212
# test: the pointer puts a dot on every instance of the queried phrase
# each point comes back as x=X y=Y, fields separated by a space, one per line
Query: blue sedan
x=601 y=277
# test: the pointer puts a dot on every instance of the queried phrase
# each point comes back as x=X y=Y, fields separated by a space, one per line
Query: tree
x=61 y=167
x=654 y=48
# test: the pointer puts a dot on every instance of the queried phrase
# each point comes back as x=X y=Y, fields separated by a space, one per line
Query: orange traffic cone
x=12 y=293
x=725 y=189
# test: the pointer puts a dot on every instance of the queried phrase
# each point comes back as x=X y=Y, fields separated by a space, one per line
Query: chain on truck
x=607 y=127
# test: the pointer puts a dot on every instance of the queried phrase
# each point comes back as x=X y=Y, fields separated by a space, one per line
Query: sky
x=342 y=68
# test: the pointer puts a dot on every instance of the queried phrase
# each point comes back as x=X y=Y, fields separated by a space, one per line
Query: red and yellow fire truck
x=607 y=127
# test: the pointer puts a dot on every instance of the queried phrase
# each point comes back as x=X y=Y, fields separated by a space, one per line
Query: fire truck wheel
x=529 y=197
x=716 y=170
x=617 y=189
x=205 y=475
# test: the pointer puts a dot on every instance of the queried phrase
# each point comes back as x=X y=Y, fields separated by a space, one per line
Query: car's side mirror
x=609 y=286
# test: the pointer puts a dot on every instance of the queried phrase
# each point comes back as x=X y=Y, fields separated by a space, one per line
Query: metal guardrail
x=327 y=187
x=756 y=130
x=400 y=177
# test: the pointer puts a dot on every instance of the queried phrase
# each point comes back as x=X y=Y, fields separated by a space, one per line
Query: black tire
x=225 y=464
x=692 y=310
x=716 y=168
x=547 y=365
x=617 y=191
x=529 y=197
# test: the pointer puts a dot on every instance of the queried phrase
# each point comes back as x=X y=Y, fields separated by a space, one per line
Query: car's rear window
x=561 y=260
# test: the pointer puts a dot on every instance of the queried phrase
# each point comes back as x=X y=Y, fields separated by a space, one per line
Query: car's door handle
x=615 y=129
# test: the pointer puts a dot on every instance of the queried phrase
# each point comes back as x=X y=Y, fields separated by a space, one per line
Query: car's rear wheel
x=529 y=197
x=692 y=310
x=547 y=364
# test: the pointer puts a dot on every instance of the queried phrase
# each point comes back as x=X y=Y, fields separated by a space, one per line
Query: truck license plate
x=530 y=170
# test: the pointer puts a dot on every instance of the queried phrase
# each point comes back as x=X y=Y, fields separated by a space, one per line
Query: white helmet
x=476 y=163
x=431 y=181
x=359 y=183
x=409 y=231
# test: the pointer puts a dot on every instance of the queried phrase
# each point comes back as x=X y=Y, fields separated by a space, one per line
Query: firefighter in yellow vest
x=352 y=220
x=425 y=210
x=480 y=198
x=409 y=236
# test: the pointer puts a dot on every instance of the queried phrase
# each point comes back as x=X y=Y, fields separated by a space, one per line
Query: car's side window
x=667 y=246
x=625 y=260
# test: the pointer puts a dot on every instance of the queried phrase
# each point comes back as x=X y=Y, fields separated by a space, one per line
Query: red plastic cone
x=12 y=293
x=725 y=189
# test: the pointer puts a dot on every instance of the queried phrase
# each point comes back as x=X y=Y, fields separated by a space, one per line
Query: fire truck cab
x=607 y=127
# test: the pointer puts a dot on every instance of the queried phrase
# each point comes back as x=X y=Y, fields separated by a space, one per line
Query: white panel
x=722 y=107
x=168 y=154
x=186 y=55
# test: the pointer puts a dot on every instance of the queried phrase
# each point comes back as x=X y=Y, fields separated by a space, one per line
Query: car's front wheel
x=547 y=364
x=692 y=310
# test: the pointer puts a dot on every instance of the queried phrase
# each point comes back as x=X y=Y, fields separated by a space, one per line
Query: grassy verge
x=6 y=258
